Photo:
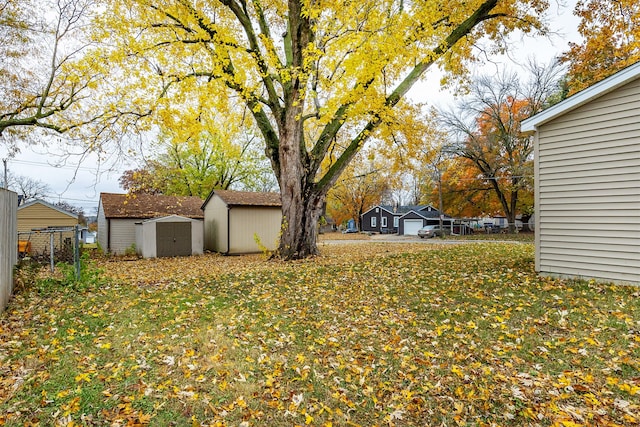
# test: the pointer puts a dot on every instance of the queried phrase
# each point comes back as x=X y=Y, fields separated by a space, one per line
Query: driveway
x=391 y=238
x=394 y=238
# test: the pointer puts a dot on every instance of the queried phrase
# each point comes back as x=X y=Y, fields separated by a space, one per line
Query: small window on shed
x=374 y=221
x=383 y=222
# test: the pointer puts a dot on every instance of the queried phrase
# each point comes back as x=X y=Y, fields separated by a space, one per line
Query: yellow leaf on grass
x=456 y=370
x=83 y=377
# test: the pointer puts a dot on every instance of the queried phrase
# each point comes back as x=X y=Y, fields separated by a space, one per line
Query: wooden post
x=76 y=251
x=51 y=248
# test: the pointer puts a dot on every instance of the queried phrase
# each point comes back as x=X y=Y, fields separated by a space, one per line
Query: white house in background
x=587 y=182
x=237 y=222
x=119 y=213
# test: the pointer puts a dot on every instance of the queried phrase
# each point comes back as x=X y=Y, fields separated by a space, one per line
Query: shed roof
x=603 y=87
x=246 y=198
x=49 y=205
x=144 y=206
x=169 y=218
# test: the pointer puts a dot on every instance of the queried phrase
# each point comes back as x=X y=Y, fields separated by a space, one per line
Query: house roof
x=385 y=207
x=49 y=205
x=246 y=198
x=425 y=214
x=603 y=87
x=402 y=210
x=414 y=212
x=145 y=206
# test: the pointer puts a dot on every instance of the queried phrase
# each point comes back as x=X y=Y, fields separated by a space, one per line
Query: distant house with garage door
x=119 y=213
x=404 y=220
x=587 y=182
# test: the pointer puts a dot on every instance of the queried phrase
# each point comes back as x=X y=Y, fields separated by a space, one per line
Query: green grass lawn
x=383 y=335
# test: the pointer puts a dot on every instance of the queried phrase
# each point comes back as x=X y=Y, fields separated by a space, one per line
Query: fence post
x=76 y=251
x=51 y=248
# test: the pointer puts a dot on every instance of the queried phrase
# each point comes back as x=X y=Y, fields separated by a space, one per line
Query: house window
x=383 y=222
x=396 y=221
x=374 y=221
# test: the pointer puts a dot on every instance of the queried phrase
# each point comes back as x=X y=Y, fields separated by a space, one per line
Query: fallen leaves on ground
x=366 y=334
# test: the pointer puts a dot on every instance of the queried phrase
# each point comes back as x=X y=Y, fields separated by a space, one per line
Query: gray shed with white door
x=169 y=236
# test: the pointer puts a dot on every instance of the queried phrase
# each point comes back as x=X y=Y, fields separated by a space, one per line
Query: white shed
x=587 y=182
x=237 y=222
x=169 y=236
x=119 y=213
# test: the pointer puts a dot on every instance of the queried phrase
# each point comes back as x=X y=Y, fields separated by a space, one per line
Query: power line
x=71 y=167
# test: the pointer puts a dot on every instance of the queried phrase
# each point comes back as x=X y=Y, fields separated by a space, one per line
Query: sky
x=81 y=184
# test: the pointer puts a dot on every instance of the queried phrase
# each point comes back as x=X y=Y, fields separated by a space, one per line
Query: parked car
x=430 y=231
x=350 y=230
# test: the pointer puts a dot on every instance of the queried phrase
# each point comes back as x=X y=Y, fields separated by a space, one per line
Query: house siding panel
x=366 y=220
x=8 y=244
x=103 y=229
x=379 y=213
x=216 y=231
x=122 y=234
x=247 y=223
x=39 y=216
x=388 y=227
x=588 y=181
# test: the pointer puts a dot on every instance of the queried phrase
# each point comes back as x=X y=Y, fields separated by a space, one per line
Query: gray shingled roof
x=401 y=210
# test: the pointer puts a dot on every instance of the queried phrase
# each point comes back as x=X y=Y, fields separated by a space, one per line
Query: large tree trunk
x=300 y=215
x=301 y=200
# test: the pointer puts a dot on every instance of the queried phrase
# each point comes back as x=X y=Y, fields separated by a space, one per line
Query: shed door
x=173 y=239
x=411 y=226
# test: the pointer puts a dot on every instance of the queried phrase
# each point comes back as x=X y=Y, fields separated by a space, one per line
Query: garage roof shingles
x=150 y=206
x=247 y=198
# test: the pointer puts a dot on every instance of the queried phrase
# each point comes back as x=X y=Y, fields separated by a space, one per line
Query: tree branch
x=400 y=91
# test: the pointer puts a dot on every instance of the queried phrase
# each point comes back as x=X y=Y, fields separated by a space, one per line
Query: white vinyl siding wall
x=122 y=234
x=588 y=182
x=250 y=222
x=233 y=229
x=216 y=232
x=103 y=228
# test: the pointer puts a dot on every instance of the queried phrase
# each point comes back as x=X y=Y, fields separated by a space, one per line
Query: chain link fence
x=50 y=246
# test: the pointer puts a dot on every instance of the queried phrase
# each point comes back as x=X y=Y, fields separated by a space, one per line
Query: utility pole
x=5 y=183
